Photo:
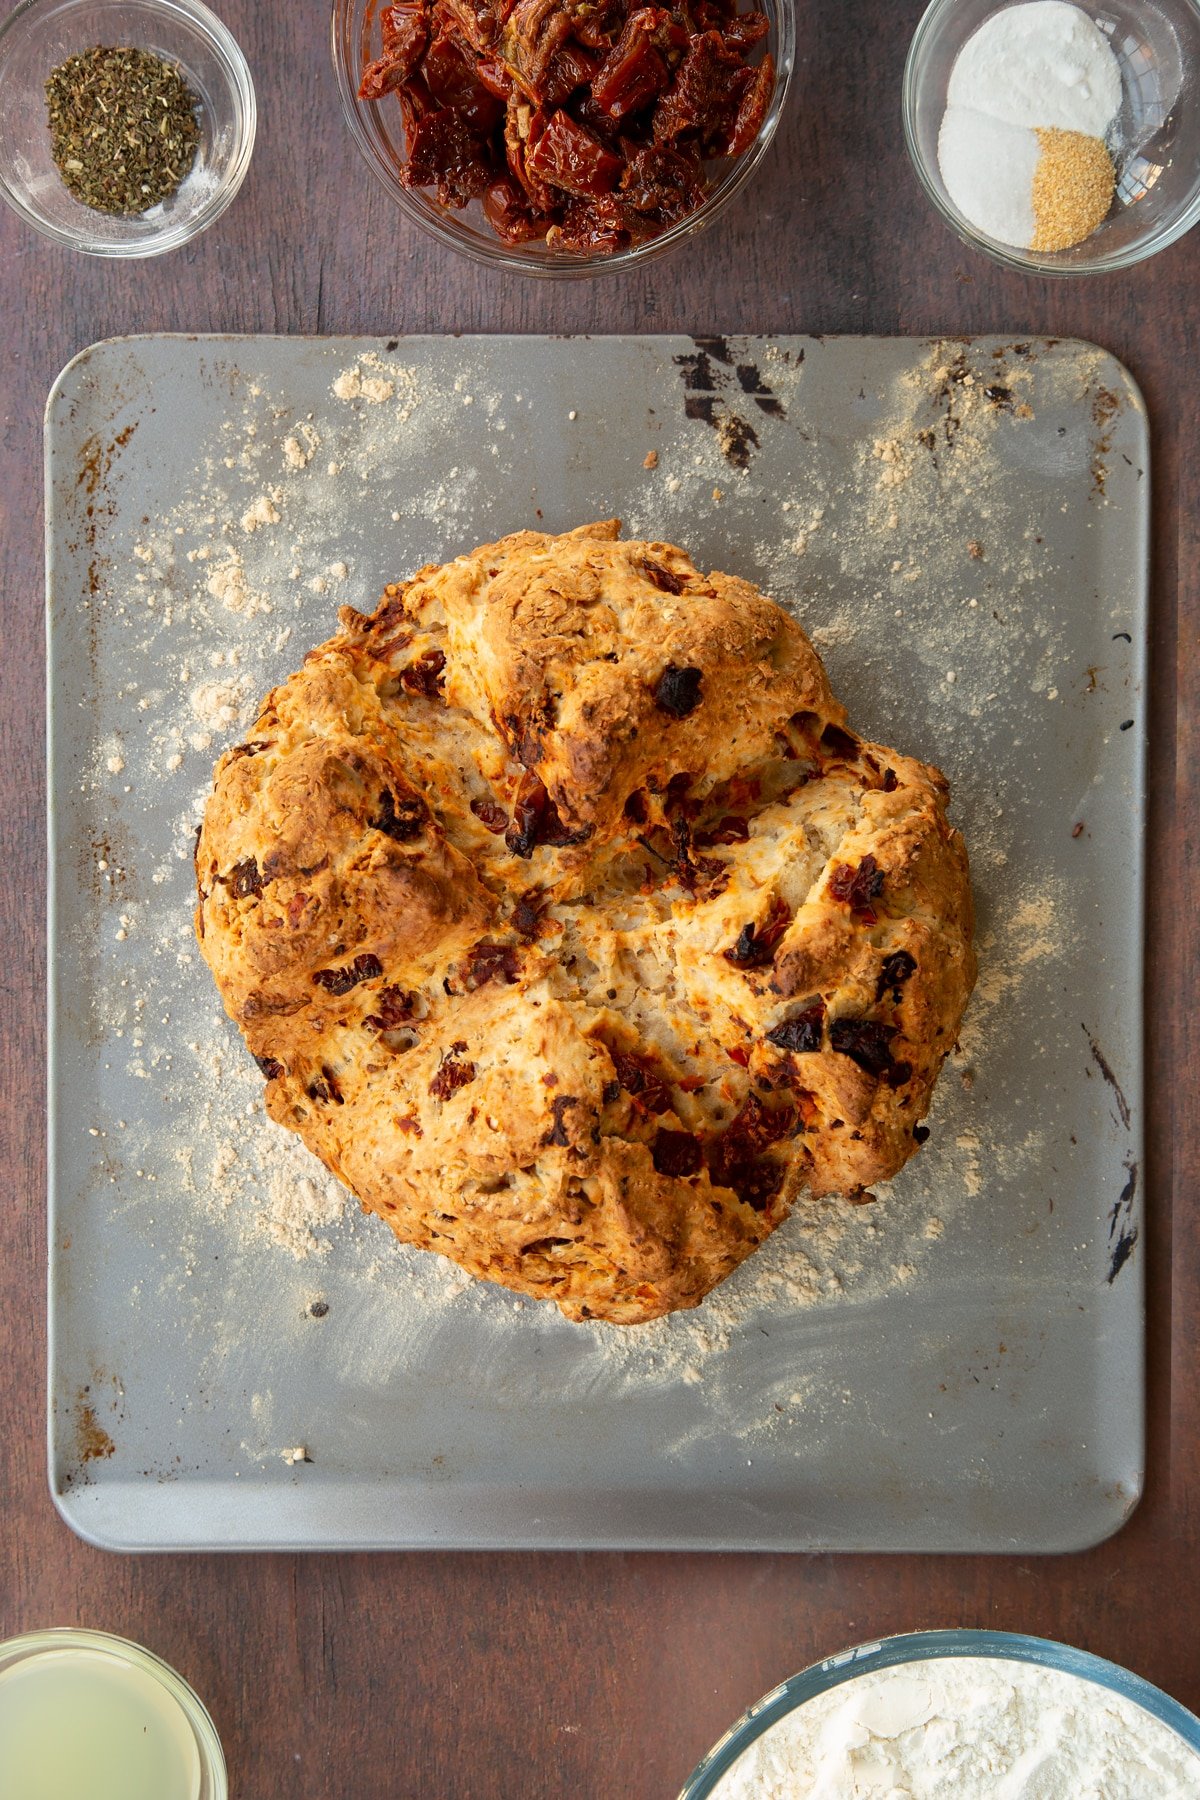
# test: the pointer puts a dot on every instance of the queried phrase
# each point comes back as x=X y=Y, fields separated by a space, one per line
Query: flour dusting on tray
x=222 y=596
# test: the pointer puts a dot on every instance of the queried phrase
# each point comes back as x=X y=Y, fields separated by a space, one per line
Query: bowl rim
x=566 y=266
x=232 y=58
x=1026 y=262
x=922 y=1646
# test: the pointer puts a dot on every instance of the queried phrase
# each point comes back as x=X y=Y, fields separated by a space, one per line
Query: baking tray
x=240 y=1359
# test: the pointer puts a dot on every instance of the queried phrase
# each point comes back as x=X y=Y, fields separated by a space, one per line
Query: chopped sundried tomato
x=666 y=579
x=856 y=887
x=527 y=914
x=383 y=77
x=756 y=944
x=557 y=1134
x=641 y=1081
x=393 y=20
x=745 y=30
x=492 y=962
x=704 y=98
x=895 y=972
x=493 y=75
x=508 y=212
x=572 y=68
x=801 y=1031
x=677 y=691
x=244 y=879
x=450 y=75
x=634 y=71
x=424 y=676
x=536 y=821
x=754 y=1130
x=664 y=185
x=479 y=21
x=445 y=154
x=600 y=225
x=921 y=1134
x=681 y=835
x=536 y=31
x=567 y=156
x=395 y=1007
x=416 y=104
x=340 y=981
x=518 y=127
x=740 y=1055
x=271 y=1069
x=491 y=814
x=451 y=1076
x=753 y=109
x=890 y=784
x=402 y=819
x=405 y=33
x=756 y=1184
x=867 y=1042
x=527 y=731
x=676 y=1153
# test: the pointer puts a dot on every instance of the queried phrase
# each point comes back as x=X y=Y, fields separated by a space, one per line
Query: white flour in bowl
x=966 y=1728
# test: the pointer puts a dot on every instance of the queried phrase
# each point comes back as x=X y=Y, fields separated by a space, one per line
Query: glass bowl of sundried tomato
x=563 y=137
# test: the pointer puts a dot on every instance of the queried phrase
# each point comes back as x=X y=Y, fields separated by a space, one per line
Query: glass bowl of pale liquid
x=94 y=1717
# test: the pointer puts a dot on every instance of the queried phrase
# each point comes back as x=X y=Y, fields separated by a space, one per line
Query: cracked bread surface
x=572 y=927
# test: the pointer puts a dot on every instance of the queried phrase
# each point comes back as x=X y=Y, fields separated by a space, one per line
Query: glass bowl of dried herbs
x=126 y=126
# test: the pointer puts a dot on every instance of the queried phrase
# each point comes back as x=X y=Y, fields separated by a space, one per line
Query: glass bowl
x=379 y=134
x=1156 y=147
x=923 y=1646
x=39 y=35
x=87 y=1684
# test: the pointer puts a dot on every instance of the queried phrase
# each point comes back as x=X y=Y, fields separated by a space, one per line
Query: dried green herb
x=123 y=127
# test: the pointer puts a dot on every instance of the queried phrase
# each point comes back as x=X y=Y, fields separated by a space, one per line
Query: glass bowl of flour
x=1058 y=138
x=958 y=1715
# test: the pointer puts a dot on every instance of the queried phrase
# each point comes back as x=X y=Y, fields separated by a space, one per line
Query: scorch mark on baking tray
x=90 y=1441
x=1122 y=1232
x=1102 y=1063
x=704 y=398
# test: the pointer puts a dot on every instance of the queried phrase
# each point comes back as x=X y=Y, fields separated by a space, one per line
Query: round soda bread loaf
x=572 y=927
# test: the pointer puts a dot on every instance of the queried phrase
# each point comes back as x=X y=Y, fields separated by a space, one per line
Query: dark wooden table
x=599 y=1676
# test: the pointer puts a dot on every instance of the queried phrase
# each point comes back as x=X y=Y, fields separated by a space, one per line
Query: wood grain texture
x=602 y=1677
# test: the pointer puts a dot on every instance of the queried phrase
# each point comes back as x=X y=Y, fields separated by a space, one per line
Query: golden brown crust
x=574 y=930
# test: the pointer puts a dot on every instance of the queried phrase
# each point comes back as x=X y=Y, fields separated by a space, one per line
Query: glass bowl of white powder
x=1057 y=138
x=958 y=1715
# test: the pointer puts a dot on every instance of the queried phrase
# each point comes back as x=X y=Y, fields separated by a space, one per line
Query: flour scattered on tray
x=222 y=609
x=263 y=511
x=352 y=385
x=228 y=584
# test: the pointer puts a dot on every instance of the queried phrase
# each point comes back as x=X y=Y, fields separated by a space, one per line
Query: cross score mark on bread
x=572 y=927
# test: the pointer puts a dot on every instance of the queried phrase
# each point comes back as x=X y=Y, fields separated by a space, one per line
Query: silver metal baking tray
x=238 y=1358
